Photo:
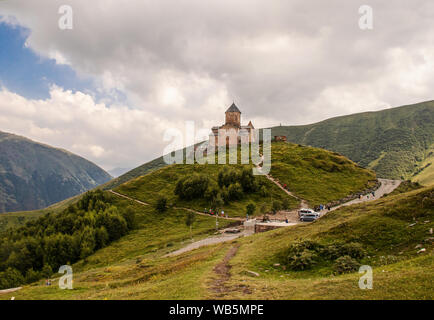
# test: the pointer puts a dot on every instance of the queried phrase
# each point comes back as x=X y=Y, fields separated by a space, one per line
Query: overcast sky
x=128 y=70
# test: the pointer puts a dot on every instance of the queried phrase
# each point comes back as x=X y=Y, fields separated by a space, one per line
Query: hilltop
x=396 y=143
x=35 y=175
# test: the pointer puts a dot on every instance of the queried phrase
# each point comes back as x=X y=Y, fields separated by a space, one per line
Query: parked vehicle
x=302 y=212
x=308 y=215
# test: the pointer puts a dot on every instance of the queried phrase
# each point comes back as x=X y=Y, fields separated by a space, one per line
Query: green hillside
x=301 y=168
x=397 y=143
x=386 y=234
x=34 y=175
x=80 y=227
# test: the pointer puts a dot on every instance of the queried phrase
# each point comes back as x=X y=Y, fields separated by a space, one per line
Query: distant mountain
x=34 y=175
x=116 y=172
x=396 y=143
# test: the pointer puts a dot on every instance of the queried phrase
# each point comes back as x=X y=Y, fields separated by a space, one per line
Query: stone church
x=232 y=131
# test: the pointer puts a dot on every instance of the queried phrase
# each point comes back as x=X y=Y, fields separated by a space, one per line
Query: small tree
x=276 y=206
x=250 y=209
x=217 y=202
x=189 y=222
x=263 y=191
x=235 y=191
x=263 y=208
x=161 y=204
x=285 y=204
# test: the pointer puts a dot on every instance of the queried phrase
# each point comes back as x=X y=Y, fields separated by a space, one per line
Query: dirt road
x=386 y=186
x=206 y=242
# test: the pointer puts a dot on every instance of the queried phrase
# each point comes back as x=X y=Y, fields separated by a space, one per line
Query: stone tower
x=233 y=116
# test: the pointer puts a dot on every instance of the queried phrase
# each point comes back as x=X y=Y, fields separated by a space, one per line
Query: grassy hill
x=390 y=231
x=34 y=175
x=301 y=168
x=397 y=143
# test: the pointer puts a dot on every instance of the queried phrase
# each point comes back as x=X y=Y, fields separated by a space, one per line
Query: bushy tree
x=227 y=176
x=161 y=204
x=235 y=191
x=247 y=180
x=191 y=217
x=192 y=187
x=250 y=209
x=285 y=204
x=276 y=206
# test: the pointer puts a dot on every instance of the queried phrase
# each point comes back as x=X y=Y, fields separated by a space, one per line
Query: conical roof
x=233 y=108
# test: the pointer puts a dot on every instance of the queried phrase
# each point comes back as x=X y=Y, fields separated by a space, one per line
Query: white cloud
x=293 y=62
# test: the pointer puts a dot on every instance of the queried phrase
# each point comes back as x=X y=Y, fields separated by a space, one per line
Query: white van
x=308 y=215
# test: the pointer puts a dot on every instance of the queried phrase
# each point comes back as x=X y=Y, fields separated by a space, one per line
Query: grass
x=317 y=175
x=393 y=142
x=135 y=266
x=382 y=227
x=163 y=181
x=425 y=175
x=18 y=219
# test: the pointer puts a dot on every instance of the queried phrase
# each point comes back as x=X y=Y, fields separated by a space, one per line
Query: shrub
x=235 y=191
x=285 y=204
x=302 y=261
x=263 y=191
x=192 y=187
x=276 y=206
x=227 y=176
x=345 y=264
x=250 y=209
x=301 y=255
x=247 y=180
x=161 y=204
x=354 y=250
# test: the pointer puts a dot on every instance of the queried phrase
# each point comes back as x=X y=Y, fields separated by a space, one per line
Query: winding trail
x=177 y=208
x=386 y=186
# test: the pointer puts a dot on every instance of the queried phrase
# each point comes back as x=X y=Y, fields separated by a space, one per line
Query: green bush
x=227 y=176
x=192 y=187
x=235 y=191
x=301 y=255
x=161 y=204
x=276 y=206
x=345 y=264
x=302 y=261
x=354 y=250
x=250 y=209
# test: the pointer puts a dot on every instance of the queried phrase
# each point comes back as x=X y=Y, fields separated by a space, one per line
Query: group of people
x=213 y=213
x=372 y=193
x=321 y=207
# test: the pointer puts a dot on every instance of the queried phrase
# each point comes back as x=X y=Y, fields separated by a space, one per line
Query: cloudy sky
x=128 y=70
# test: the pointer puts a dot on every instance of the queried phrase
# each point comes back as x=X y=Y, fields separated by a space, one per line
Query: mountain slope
x=34 y=175
x=136 y=266
x=395 y=143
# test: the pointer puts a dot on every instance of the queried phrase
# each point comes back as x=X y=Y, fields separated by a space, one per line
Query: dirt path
x=222 y=270
x=126 y=197
x=178 y=208
x=206 y=242
x=303 y=203
x=386 y=186
x=10 y=290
